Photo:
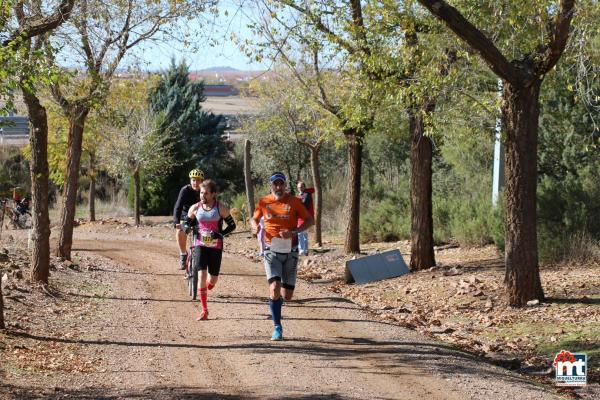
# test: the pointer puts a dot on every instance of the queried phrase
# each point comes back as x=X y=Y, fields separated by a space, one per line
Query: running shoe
x=203 y=316
x=277 y=333
x=182 y=261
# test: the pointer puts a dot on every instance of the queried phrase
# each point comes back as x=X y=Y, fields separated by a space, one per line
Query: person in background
x=188 y=196
x=305 y=196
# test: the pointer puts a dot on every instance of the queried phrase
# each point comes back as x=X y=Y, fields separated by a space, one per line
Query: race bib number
x=280 y=245
x=207 y=238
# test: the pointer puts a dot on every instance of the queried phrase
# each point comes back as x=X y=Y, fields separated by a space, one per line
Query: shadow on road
x=156 y=392
x=409 y=354
x=582 y=300
x=86 y=296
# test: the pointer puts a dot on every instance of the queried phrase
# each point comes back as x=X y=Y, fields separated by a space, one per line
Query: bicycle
x=191 y=272
x=21 y=221
x=19 y=215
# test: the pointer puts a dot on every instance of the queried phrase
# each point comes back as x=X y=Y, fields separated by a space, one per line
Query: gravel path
x=150 y=345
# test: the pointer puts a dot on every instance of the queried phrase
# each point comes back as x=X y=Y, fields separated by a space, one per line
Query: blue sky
x=225 y=54
x=215 y=49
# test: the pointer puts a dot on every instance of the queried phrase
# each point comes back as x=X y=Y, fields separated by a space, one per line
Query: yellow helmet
x=196 y=173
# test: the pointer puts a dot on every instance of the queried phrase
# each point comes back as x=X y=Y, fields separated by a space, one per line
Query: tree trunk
x=136 y=197
x=76 y=126
x=520 y=111
x=421 y=227
x=318 y=199
x=92 y=195
x=248 y=178
x=38 y=167
x=355 y=145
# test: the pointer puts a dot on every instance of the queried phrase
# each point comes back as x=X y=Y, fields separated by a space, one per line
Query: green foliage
x=9 y=63
x=14 y=171
x=569 y=161
x=469 y=222
x=289 y=123
x=386 y=153
x=387 y=219
x=567 y=207
x=272 y=151
x=239 y=201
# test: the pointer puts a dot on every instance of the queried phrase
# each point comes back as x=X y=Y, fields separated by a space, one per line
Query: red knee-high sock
x=203 y=298
x=210 y=286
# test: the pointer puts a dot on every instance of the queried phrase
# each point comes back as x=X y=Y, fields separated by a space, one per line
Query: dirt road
x=151 y=346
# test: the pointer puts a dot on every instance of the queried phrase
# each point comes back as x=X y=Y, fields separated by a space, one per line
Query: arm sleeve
x=230 y=225
x=178 y=206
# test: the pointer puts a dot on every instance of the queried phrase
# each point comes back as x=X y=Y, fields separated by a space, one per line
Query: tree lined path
x=151 y=345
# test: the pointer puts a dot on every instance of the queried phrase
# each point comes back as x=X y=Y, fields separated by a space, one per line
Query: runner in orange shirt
x=281 y=212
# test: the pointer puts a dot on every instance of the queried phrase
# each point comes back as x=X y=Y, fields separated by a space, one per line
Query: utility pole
x=498 y=172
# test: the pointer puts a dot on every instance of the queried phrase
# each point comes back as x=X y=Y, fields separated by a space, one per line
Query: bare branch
x=558 y=37
x=324 y=100
x=30 y=27
x=318 y=23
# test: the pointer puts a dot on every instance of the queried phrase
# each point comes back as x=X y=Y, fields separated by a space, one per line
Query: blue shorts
x=282 y=267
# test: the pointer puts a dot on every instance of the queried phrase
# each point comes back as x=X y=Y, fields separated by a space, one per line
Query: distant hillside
x=219 y=69
x=224 y=76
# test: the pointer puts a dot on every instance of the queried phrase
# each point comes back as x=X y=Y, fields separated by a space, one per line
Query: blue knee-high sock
x=275 y=306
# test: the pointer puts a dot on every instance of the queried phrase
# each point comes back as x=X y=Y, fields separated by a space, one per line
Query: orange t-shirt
x=279 y=215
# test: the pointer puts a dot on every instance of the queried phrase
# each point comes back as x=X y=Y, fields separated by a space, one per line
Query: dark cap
x=276 y=177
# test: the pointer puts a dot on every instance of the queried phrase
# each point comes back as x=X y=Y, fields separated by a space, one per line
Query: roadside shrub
x=470 y=222
x=386 y=221
x=239 y=201
x=581 y=247
x=575 y=247
x=14 y=171
x=333 y=217
x=568 y=211
x=442 y=215
x=496 y=224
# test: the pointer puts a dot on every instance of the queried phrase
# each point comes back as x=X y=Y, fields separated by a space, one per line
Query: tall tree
x=299 y=44
x=522 y=78
x=288 y=111
x=103 y=33
x=382 y=45
x=24 y=29
x=34 y=24
x=135 y=148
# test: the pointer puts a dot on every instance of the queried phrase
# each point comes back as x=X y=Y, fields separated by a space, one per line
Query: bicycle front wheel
x=194 y=283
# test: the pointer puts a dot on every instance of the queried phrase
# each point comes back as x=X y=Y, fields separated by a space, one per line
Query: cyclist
x=23 y=206
x=16 y=194
x=208 y=249
x=188 y=195
x=281 y=212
